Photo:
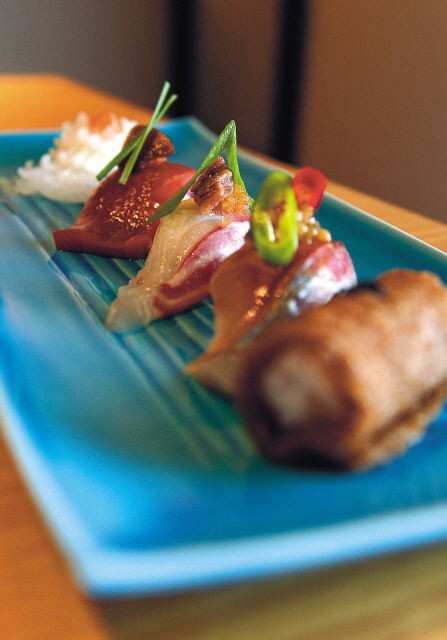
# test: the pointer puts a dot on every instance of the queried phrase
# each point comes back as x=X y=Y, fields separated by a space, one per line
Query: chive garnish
x=225 y=142
x=133 y=149
x=117 y=159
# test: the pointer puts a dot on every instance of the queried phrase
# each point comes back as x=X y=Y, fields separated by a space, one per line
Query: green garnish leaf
x=133 y=149
x=225 y=142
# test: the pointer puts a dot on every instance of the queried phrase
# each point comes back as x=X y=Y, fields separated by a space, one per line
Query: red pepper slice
x=309 y=185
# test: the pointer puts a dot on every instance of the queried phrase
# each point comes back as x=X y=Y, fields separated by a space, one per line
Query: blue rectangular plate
x=148 y=481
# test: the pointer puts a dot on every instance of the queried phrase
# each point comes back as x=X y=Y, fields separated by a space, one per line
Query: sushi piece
x=113 y=222
x=354 y=382
x=190 y=244
x=249 y=294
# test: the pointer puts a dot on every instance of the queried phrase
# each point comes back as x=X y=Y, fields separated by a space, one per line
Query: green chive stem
x=225 y=142
x=159 y=112
x=133 y=148
x=117 y=159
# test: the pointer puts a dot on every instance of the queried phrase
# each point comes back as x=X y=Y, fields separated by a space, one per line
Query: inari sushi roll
x=354 y=382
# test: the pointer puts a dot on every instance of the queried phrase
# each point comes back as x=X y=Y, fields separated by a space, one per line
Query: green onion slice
x=133 y=149
x=225 y=142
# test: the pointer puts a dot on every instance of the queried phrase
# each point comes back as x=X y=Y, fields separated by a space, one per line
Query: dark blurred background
x=357 y=89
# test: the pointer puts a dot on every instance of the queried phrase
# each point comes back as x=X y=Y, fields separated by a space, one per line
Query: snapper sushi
x=190 y=244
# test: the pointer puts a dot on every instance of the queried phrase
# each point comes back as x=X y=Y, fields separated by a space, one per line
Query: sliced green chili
x=274 y=219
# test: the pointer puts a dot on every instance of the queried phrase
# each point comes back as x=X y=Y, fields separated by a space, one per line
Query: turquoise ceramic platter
x=150 y=483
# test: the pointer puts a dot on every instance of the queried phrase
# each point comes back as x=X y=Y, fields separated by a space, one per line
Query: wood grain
x=401 y=597
x=45 y=101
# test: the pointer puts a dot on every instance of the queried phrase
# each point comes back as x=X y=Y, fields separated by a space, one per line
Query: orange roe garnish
x=236 y=203
x=100 y=121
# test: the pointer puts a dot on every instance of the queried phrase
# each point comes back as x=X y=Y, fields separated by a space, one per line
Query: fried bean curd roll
x=354 y=382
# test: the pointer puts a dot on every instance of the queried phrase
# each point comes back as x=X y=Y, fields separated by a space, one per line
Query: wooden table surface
x=402 y=597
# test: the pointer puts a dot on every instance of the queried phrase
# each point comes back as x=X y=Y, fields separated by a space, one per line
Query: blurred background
x=357 y=89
